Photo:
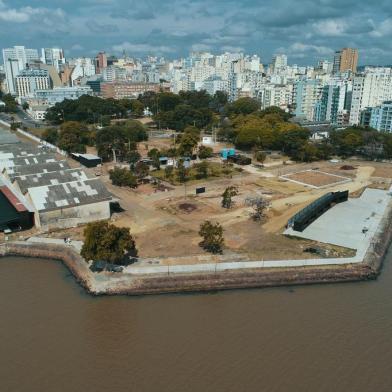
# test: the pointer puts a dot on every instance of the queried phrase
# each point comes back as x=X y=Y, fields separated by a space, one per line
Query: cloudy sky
x=306 y=30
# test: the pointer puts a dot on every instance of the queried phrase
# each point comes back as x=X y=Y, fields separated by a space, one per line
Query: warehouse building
x=15 y=171
x=18 y=150
x=10 y=163
x=69 y=204
x=23 y=182
x=14 y=214
x=36 y=188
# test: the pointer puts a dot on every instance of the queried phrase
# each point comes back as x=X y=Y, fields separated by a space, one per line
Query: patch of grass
x=215 y=170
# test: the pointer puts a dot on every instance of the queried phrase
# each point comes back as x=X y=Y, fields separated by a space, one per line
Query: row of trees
x=90 y=110
x=240 y=122
x=120 y=139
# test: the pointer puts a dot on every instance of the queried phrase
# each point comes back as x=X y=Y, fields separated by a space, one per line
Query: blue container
x=231 y=152
x=224 y=153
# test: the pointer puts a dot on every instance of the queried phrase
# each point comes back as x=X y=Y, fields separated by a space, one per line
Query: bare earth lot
x=316 y=178
x=165 y=221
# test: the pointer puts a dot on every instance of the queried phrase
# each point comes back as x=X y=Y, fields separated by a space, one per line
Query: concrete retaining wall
x=217 y=279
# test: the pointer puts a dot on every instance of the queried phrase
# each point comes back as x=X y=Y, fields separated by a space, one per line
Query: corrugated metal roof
x=38 y=168
x=11 y=163
x=52 y=178
x=69 y=194
x=7 y=137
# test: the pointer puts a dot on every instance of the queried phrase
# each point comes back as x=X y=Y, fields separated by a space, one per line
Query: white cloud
x=383 y=29
x=330 y=27
x=230 y=48
x=25 y=14
x=142 y=48
x=299 y=47
x=201 y=47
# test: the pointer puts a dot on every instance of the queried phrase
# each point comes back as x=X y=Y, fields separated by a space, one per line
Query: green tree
x=388 y=146
x=259 y=207
x=227 y=196
x=205 y=152
x=103 y=241
x=133 y=157
x=137 y=108
x=73 y=137
x=141 y=170
x=182 y=171
x=86 y=109
x=169 y=172
x=122 y=177
x=212 y=237
x=121 y=137
x=276 y=110
x=243 y=106
x=202 y=169
x=188 y=142
x=51 y=135
x=260 y=156
x=11 y=105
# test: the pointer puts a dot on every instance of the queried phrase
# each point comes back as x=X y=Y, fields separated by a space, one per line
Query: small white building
x=207 y=141
x=37 y=112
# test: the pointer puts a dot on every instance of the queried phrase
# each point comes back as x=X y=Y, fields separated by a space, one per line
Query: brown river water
x=56 y=338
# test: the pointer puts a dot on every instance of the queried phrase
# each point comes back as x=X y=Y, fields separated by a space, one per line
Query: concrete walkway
x=77 y=245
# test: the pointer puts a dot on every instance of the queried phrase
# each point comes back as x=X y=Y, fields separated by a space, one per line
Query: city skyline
x=306 y=33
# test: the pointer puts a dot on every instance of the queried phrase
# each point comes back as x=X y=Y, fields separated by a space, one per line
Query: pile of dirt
x=187 y=207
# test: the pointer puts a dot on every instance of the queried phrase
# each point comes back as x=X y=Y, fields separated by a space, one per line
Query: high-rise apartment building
x=101 y=62
x=15 y=60
x=307 y=92
x=345 y=59
x=370 y=90
x=381 y=117
x=279 y=63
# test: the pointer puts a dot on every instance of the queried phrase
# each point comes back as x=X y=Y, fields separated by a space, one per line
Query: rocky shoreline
x=107 y=283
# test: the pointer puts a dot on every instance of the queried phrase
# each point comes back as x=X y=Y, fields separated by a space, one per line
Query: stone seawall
x=131 y=284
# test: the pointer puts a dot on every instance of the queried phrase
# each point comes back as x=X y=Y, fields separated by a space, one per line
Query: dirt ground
x=315 y=178
x=165 y=222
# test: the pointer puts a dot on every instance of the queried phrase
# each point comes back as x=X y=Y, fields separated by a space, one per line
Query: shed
x=87 y=160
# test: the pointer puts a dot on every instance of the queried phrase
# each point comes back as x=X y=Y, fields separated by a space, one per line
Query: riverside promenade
x=154 y=279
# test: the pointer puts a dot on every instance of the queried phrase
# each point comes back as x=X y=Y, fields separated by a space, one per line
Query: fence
x=302 y=219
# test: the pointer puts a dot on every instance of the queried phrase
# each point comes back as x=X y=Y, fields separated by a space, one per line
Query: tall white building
x=276 y=95
x=369 y=90
x=53 y=56
x=279 y=63
x=15 y=60
x=83 y=67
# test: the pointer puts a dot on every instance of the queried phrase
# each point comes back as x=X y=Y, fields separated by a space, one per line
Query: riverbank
x=211 y=279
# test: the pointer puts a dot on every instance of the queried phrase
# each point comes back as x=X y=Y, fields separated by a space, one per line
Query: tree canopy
x=212 y=237
x=103 y=241
x=87 y=109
